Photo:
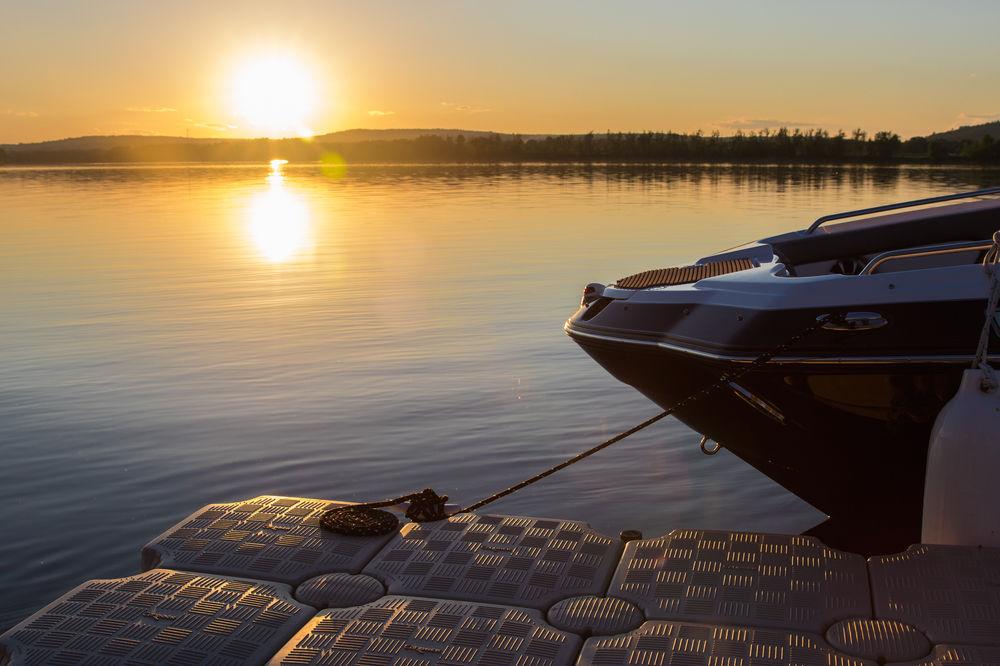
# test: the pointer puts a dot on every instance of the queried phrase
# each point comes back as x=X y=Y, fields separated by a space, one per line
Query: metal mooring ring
x=707 y=451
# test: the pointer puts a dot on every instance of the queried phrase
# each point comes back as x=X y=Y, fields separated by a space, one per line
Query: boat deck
x=258 y=581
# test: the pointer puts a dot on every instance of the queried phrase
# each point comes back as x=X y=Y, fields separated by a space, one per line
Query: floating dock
x=259 y=581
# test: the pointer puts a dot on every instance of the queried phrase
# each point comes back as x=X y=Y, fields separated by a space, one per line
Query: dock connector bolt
x=630 y=535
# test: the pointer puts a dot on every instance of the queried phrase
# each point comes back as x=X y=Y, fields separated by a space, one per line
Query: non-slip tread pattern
x=160 y=617
x=744 y=578
x=339 y=590
x=665 y=277
x=275 y=538
x=658 y=643
x=410 y=631
x=966 y=655
x=595 y=616
x=950 y=593
x=530 y=562
x=713 y=598
x=878 y=640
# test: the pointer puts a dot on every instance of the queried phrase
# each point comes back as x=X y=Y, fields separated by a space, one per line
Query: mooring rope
x=724 y=379
x=981 y=361
x=426 y=506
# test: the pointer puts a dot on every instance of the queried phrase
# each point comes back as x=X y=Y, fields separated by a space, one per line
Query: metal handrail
x=925 y=251
x=896 y=206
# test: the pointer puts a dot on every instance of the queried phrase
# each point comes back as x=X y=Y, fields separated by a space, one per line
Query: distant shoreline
x=897 y=162
x=454 y=147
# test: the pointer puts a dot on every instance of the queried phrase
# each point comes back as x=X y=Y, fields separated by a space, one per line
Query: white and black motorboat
x=842 y=418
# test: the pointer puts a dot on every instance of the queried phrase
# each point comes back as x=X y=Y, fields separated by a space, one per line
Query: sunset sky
x=207 y=68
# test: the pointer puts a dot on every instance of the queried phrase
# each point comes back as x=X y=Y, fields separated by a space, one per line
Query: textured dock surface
x=762 y=580
x=501 y=559
x=413 y=630
x=952 y=593
x=277 y=538
x=259 y=582
x=159 y=617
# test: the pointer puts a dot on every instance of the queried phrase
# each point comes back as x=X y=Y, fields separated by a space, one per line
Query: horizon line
x=317 y=135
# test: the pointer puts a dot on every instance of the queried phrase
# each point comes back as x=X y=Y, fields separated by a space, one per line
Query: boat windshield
x=932 y=237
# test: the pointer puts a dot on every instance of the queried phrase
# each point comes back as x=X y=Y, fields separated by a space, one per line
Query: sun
x=274 y=94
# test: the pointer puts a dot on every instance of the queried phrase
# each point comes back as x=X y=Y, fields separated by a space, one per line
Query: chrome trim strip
x=786 y=360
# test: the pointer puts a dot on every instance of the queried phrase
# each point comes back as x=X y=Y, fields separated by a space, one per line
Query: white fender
x=962 y=487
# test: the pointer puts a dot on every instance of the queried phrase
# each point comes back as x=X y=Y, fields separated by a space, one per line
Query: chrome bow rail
x=924 y=251
x=903 y=204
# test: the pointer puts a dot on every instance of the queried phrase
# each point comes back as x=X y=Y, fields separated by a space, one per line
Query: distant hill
x=102 y=143
x=89 y=143
x=968 y=132
x=122 y=142
x=438 y=145
x=357 y=135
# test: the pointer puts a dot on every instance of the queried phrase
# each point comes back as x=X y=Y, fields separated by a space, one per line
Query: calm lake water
x=174 y=336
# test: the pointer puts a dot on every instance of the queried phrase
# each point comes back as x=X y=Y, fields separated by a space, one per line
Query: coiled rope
x=368 y=519
x=426 y=506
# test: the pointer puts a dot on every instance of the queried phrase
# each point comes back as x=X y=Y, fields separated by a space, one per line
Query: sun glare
x=279 y=219
x=275 y=95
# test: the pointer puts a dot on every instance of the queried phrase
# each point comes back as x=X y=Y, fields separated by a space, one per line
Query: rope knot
x=426 y=506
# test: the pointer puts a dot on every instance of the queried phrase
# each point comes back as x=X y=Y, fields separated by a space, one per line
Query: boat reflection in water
x=279 y=222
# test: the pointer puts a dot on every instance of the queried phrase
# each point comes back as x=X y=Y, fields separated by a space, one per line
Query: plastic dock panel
x=339 y=590
x=159 y=617
x=951 y=593
x=274 y=538
x=962 y=655
x=514 y=591
x=513 y=560
x=878 y=640
x=659 y=643
x=595 y=616
x=409 y=631
x=743 y=578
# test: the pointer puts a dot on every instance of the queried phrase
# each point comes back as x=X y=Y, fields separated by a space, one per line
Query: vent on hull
x=665 y=277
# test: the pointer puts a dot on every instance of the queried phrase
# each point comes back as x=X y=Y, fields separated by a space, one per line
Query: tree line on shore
x=782 y=145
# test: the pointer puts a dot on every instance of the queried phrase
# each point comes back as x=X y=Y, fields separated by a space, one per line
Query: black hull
x=849 y=439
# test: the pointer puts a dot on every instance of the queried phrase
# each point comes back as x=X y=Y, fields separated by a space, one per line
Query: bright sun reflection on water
x=279 y=219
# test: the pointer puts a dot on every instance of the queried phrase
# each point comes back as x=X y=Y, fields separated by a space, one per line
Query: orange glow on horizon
x=291 y=69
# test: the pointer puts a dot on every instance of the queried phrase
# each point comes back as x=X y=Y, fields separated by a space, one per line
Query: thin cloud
x=464 y=108
x=122 y=130
x=975 y=119
x=219 y=127
x=20 y=114
x=376 y=112
x=745 y=123
x=150 y=109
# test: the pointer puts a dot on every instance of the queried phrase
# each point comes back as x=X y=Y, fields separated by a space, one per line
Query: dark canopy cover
x=971 y=221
